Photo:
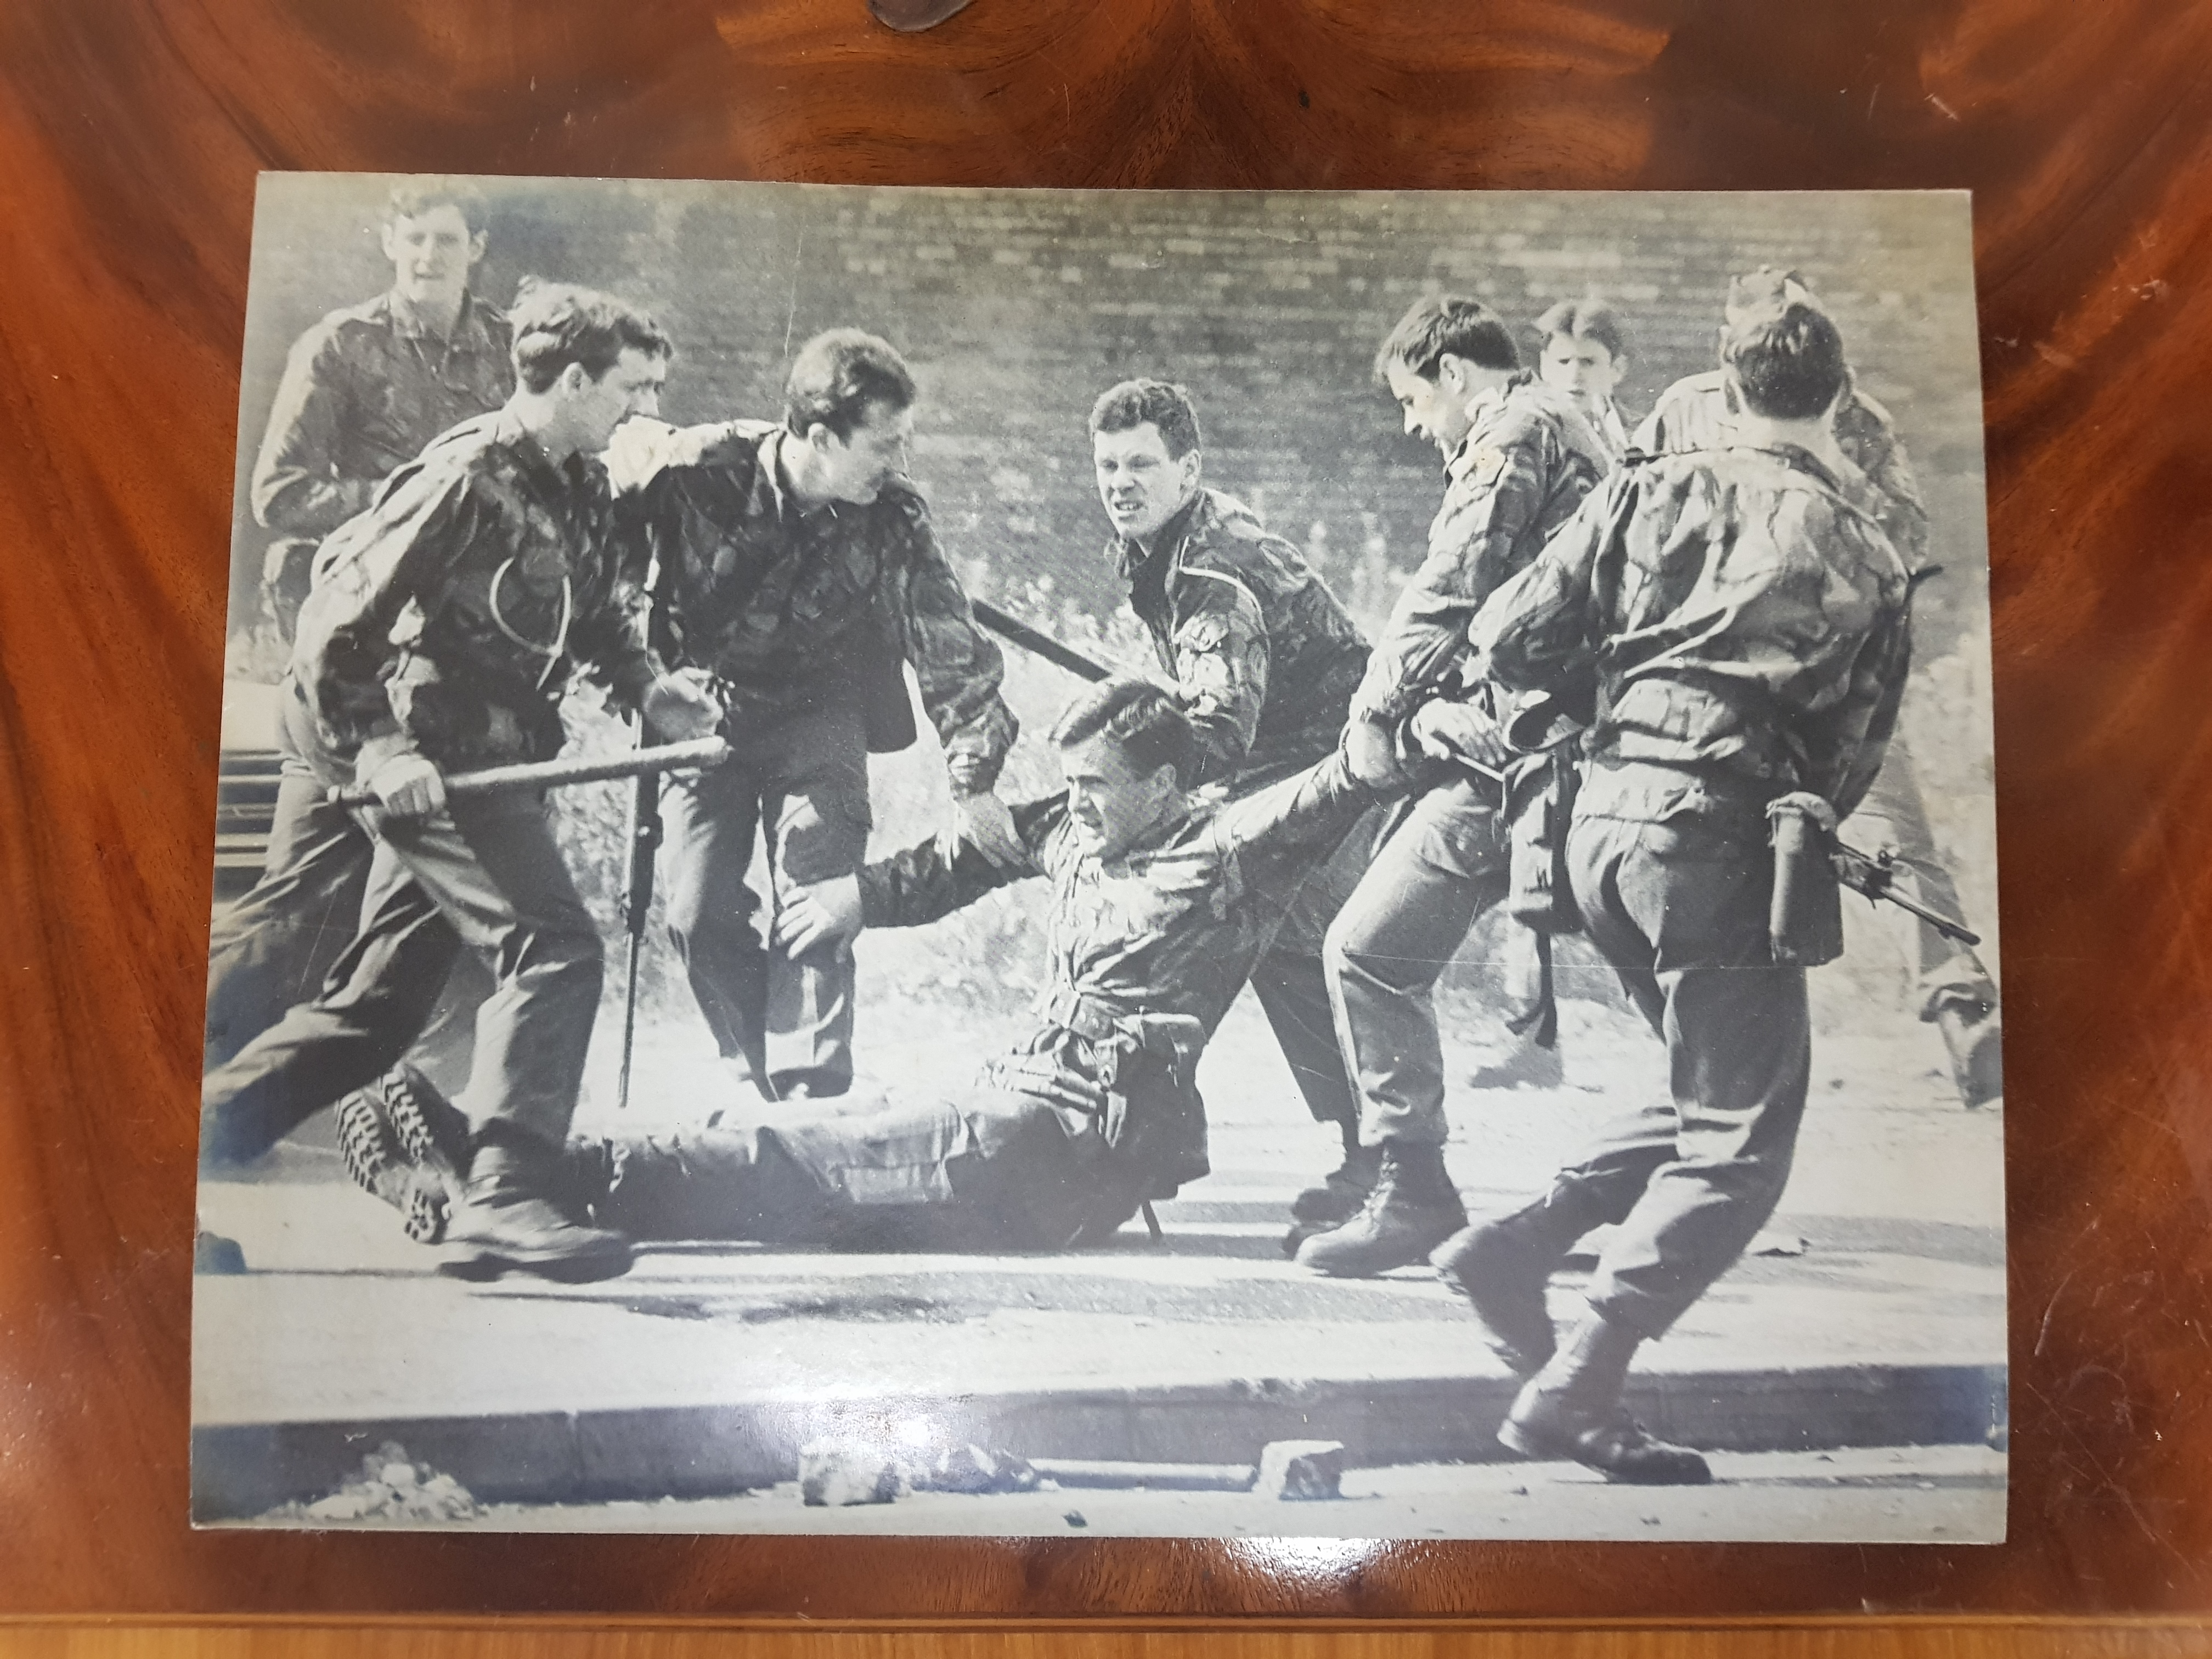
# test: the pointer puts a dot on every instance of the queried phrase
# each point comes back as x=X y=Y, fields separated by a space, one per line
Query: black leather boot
x=405 y=1143
x=1502 y=1267
x=1414 y=1208
x=514 y=1216
x=1572 y=1410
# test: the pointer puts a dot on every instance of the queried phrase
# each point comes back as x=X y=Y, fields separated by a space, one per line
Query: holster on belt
x=1154 y=1120
x=1805 y=916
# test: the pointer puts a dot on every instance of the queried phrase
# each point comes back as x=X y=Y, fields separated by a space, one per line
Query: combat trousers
x=989 y=1168
x=1893 y=816
x=274 y=948
x=1441 y=867
x=1291 y=979
x=488 y=874
x=805 y=778
x=1672 y=882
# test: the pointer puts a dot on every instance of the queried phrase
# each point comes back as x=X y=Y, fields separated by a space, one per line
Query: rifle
x=1875 y=876
x=1035 y=639
x=559 y=773
x=637 y=899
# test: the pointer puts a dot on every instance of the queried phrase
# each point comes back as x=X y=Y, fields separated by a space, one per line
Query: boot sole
x=1540 y=1448
x=381 y=1166
x=1523 y=1359
x=481 y=1264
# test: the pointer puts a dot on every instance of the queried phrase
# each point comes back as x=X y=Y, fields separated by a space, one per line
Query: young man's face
x=1584 y=369
x=1434 y=409
x=432 y=253
x=1142 y=488
x=595 y=408
x=1111 y=805
x=856 y=468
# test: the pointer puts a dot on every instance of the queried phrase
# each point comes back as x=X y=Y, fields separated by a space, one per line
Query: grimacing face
x=432 y=253
x=1582 y=369
x=630 y=386
x=856 y=468
x=1140 y=486
x=1110 y=804
x=1432 y=409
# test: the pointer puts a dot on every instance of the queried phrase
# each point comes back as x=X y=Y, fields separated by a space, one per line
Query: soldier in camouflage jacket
x=1264 y=660
x=797 y=565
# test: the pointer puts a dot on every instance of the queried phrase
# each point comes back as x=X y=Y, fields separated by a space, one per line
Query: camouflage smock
x=1699 y=412
x=446 y=619
x=1173 y=929
x=1733 y=610
x=1264 y=658
x=785 y=604
x=363 y=390
x=1525 y=465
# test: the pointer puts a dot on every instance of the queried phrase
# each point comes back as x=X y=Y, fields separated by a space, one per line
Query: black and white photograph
x=1020 y=862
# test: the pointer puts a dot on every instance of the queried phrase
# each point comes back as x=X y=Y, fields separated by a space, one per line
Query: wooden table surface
x=130 y=131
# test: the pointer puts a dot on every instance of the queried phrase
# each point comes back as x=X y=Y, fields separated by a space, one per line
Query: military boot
x=514 y=1216
x=1502 y=1267
x=1414 y=1208
x=1337 y=1196
x=404 y=1142
x=1572 y=1410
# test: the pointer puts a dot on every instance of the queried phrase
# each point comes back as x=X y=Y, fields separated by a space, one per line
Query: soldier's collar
x=469 y=332
x=1131 y=557
x=1141 y=852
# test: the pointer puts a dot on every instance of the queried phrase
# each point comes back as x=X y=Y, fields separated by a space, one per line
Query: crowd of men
x=1624 y=668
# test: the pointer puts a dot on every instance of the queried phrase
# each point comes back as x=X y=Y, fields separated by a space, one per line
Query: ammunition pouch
x=1805 y=916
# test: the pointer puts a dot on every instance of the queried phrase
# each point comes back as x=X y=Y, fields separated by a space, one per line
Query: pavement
x=1870 y=1315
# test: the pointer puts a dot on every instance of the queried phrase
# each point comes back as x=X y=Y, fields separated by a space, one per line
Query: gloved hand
x=983 y=822
x=971 y=775
x=680 y=706
x=407 y=786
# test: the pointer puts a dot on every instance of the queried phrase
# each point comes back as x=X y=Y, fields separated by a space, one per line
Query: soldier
x=1265 y=661
x=1955 y=990
x=1160 y=903
x=796 y=562
x=1518 y=459
x=440 y=631
x=363 y=390
x=368 y=386
x=1742 y=623
x=1585 y=356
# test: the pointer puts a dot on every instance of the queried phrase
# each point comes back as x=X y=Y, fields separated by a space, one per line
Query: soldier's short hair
x=419 y=195
x=557 y=324
x=1441 y=326
x=1146 y=724
x=838 y=376
x=1783 y=350
x=1583 y=320
x=1162 y=403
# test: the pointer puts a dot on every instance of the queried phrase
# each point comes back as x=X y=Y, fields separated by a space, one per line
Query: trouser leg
x=272 y=949
x=377 y=996
x=1390 y=945
x=817 y=808
x=711 y=818
x=492 y=867
x=1738 y=1037
x=1292 y=982
x=988 y=1169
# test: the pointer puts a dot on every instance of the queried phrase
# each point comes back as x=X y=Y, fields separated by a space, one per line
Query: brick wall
x=1017 y=309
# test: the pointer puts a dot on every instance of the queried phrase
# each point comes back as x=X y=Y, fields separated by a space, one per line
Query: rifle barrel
x=1035 y=639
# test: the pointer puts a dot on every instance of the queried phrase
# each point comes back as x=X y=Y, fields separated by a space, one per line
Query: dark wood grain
x=130 y=131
